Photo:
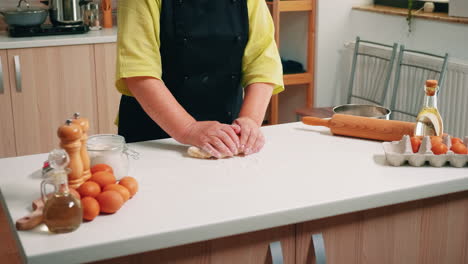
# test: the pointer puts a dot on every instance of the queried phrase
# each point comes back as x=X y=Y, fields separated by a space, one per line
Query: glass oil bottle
x=62 y=211
x=429 y=122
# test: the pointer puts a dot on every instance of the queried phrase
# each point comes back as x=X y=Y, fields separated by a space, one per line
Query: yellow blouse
x=138 y=44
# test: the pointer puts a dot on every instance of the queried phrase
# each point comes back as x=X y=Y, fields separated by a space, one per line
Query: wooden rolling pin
x=363 y=127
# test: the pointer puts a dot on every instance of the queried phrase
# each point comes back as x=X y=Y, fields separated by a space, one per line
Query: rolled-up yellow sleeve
x=138 y=41
x=261 y=62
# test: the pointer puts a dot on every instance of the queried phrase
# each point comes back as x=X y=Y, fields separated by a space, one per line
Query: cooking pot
x=65 y=12
x=372 y=111
x=24 y=16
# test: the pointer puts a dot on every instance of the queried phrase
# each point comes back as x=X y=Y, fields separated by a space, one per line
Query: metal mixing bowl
x=372 y=111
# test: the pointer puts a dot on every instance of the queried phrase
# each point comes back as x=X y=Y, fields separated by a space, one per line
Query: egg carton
x=400 y=152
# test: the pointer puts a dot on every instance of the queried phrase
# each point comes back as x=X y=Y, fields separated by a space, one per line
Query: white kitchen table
x=303 y=173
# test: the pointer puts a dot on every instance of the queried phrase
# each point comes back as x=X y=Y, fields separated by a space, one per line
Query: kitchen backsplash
x=13 y=3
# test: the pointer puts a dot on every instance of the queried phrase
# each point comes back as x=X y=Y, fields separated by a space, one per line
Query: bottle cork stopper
x=431 y=83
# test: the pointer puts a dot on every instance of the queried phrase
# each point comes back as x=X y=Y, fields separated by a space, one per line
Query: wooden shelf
x=417 y=14
x=297 y=78
x=276 y=8
x=293 y=5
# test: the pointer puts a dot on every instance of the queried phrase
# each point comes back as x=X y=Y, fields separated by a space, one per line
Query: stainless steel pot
x=24 y=16
x=65 y=12
x=373 y=111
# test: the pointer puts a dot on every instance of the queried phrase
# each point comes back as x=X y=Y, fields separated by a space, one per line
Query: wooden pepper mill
x=70 y=140
x=84 y=124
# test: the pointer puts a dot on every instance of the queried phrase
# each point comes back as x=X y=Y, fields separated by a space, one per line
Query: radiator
x=453 y=97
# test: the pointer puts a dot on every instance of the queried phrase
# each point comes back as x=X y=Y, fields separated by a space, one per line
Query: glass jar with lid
x=91 y=16
x=111 y=150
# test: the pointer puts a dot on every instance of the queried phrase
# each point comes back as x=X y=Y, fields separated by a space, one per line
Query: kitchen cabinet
x=7 y=138
x=42 y=87
x=197 y=253
x=47 y=86
x=252 y=248
x=107 y=96
x=427 y=231
x=340 y=236
x=249 y=248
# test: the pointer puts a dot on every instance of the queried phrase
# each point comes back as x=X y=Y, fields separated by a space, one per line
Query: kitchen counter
x=302 y=174
x=92 y=37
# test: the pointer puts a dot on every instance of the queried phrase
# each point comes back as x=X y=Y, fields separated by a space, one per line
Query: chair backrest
x=370 y=71
x=413 y=69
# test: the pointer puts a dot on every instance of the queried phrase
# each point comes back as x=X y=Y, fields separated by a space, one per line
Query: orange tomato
x=415 y=144
x=103 y=178
x=130 y=183
x=436 y=140
x=456 y=140
x=89 y=188
x=101 y=167
x=459 y=148
x=90 y=208
x=110 y=201
x=74 y=193
x=439 y=149
x=119 y=188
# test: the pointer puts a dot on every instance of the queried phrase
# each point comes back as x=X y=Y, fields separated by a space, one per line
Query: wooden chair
x=413 y=69
x=369 y=80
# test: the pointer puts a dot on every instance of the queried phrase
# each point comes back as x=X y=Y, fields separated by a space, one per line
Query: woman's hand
x=251 y=138
x=220 y=140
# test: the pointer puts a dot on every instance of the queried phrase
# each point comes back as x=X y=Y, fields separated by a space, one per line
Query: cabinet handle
x=276 y=252
x=319 y=249
x=2 y=88
x=18 y=73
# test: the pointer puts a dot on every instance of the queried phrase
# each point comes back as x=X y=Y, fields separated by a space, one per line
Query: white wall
x=333 y=30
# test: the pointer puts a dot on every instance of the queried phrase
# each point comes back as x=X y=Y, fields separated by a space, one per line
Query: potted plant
x=409 y=18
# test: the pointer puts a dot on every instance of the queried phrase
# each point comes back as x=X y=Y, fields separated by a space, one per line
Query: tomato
x=90 y=208
x=89 y=188
x=439 y=149
x=456 y=140
x=436 y=140
x=101 y=167
x=130 y=183
x=459 y=148
x=415 y=144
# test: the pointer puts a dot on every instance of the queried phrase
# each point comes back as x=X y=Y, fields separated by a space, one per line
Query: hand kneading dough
x=195 y=152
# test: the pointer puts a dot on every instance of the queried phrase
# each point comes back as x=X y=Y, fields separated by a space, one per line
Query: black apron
x=202 y=46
